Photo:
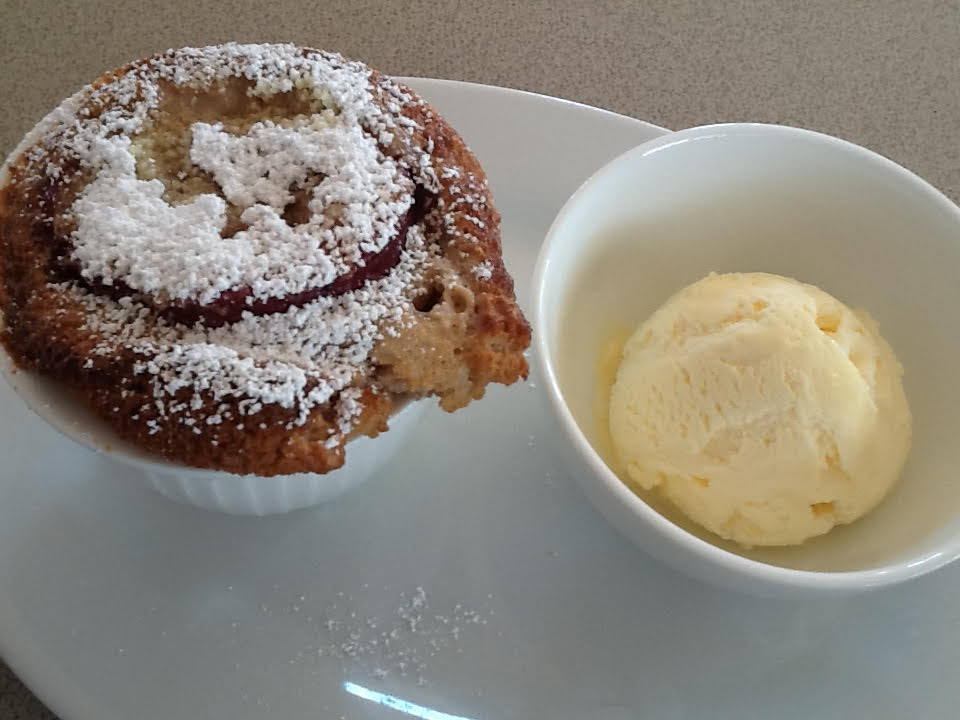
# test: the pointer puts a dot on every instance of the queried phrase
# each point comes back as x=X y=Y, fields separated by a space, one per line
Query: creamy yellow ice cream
x=763 y=408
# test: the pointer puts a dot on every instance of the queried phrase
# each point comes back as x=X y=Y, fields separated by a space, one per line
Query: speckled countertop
x=882 y=73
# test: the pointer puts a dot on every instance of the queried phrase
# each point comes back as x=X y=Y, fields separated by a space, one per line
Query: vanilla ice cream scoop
x=763 y=408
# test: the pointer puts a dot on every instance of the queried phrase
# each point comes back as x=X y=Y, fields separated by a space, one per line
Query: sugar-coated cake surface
x=242 y=256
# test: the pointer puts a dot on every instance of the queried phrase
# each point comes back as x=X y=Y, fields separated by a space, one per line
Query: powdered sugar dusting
x=340 y=85
x=484 y=270
x=127 y=232
x=356 y=161
x=297 y=360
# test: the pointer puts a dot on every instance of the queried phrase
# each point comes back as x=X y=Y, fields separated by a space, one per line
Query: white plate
x=116 y=603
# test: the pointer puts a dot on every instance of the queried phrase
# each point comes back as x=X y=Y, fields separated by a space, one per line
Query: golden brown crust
x=460 y=327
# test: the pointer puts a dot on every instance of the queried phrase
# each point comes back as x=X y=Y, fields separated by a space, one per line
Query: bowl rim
x=608 y=481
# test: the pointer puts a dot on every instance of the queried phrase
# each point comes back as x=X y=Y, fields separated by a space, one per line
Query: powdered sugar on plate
x=400 y=643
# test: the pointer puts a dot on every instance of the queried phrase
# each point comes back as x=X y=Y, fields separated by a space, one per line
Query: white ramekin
x=747 y=197
x=255 y=495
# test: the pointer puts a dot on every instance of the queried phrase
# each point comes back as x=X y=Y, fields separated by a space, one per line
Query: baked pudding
x=243 y=256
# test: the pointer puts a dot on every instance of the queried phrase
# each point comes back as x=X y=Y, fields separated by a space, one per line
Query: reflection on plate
x=471 y=580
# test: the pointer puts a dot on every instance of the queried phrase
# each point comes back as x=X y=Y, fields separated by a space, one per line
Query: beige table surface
x=882 y=73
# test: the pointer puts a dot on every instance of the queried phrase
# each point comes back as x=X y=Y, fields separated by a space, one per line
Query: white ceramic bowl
x=747 y=197
x=211 y=489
